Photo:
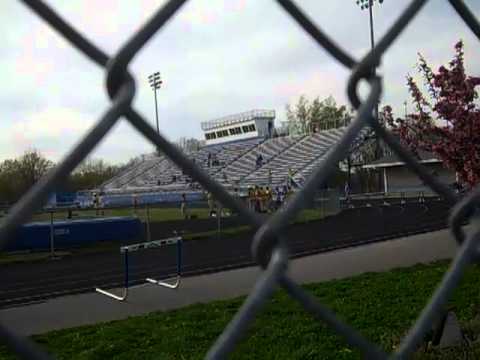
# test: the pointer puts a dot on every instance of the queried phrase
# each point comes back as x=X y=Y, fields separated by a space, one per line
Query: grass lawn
x=382 y=306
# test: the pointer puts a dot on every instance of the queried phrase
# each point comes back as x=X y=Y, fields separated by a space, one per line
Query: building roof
x=424 y=157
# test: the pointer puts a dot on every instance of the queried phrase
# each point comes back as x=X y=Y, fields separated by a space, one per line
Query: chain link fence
x=269 y=244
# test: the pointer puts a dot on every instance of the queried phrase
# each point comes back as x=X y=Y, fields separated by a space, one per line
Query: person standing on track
x=211 y=203
x=183 y=207
x=251 y=198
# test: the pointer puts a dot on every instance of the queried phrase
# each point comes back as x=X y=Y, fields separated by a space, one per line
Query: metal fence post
x=322 y=198
x=179 y=257
x=219 y=220
x=52 y=236
x=147 y=220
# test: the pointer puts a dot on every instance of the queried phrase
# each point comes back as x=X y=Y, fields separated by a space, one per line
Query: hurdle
x=167 y=283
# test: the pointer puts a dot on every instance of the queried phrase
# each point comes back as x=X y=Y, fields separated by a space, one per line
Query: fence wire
x=269 y=245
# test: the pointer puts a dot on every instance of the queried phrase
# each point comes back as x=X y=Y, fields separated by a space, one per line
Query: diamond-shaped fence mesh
x=269 y=245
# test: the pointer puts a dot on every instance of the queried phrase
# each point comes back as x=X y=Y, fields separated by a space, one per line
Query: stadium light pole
x=155 y=82
x=368 y=5
x=364 y=5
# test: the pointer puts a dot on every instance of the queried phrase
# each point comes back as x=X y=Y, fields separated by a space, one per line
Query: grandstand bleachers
x=132 y=173
x=161 y=172
x=233 y=164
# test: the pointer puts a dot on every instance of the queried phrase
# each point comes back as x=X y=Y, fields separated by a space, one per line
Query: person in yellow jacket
x=268 y=199
x=261 y=198
x=251 y=198
x=258 y=198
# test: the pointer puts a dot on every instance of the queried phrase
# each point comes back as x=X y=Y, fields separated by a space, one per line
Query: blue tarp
x=141 y=199
x=36 y=236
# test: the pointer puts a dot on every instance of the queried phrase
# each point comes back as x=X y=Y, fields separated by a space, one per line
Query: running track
x=33 y=282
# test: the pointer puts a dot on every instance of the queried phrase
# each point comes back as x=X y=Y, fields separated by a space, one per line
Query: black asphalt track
x=24 y=283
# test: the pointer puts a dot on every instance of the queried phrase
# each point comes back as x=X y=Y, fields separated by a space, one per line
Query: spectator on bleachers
x=215 y=161
x=209 y=160
x=289 y=177
x=259 y=161
x=270 y=177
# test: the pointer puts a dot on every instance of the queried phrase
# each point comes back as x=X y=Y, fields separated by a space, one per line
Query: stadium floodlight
x=155 y=83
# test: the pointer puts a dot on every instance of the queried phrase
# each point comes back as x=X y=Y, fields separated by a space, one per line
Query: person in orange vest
x=261 y=198
x=257 y=198
x=268 y=199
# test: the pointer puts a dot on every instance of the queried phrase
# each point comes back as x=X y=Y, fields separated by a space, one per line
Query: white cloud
x=216 y=57
x=52 y=131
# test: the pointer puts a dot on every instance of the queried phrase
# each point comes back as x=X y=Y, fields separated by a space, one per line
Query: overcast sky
x=216 y=57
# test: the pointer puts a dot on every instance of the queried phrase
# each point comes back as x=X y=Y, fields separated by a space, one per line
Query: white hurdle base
x=174 y=285
x=147 y=245
x=112 y=295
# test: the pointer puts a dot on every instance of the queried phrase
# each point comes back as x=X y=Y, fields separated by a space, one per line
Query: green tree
x=90 y=174
x=298 y=118
x=189 y=144
x=32 y=166
x=308 y=116
x=330 y=115
x=18 y=175
x=9 y=188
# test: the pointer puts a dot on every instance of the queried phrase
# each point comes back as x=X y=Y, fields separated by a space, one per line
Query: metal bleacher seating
x=298 y=158
x=246 y=164
x=234 y=164
x=160 y=171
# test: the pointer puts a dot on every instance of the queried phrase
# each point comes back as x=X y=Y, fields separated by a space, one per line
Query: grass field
x=156 y=214
x=382 y=306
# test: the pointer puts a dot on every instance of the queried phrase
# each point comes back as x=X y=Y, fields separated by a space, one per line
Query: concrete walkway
x=90 y=308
